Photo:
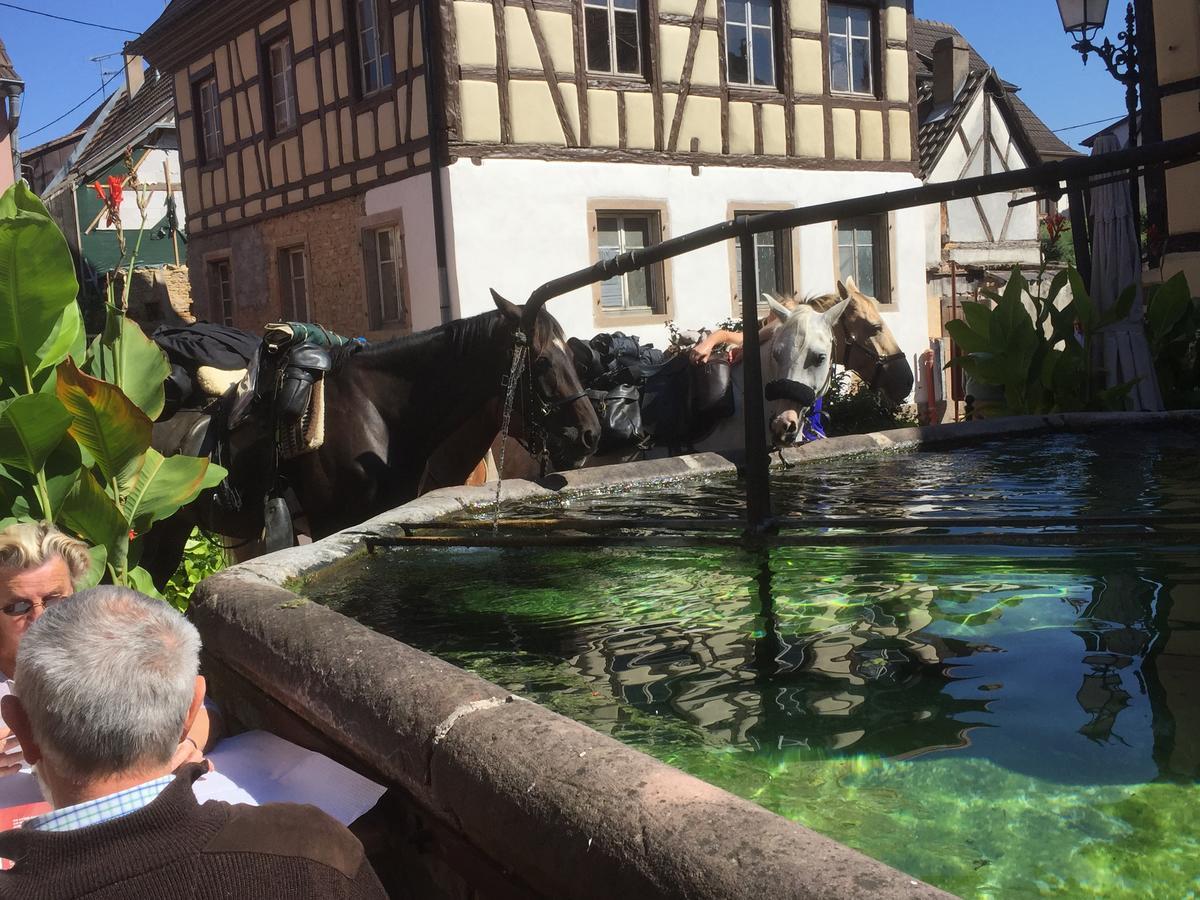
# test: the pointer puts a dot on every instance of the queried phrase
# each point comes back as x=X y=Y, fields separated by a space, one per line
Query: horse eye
x=877 y=328
x=541 y=366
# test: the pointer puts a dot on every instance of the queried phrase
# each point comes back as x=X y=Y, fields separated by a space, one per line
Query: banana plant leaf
x=124 y=356
x=106 y=423
x=31 y=426
x=164 y=484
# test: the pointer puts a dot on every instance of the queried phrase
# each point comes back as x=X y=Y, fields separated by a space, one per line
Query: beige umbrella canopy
x=1122 y=348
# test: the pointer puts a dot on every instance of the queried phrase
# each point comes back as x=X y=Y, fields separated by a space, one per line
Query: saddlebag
x=619 y=409
x=303 y=366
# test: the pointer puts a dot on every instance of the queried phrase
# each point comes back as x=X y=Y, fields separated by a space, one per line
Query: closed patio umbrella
x=1122 y=348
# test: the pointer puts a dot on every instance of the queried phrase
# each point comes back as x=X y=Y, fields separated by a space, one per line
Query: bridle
x=881 y=361
x=536 y=408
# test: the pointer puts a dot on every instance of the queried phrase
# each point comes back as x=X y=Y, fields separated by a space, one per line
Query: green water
x=998 y=721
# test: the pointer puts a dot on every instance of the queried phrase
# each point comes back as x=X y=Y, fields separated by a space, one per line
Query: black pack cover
x=205 y=344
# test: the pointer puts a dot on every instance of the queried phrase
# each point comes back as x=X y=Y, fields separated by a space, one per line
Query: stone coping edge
x=572 y=812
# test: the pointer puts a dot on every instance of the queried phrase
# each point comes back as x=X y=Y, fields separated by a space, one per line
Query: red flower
x=116 y=188
x=99 y=189
x=132 y=534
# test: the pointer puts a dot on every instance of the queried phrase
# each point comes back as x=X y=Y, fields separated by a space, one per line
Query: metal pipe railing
x=1050 y=176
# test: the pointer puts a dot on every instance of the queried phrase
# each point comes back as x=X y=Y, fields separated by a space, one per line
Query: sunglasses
x=23 y=607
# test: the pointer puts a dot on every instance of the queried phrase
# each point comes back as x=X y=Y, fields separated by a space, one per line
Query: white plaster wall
x=519 y=223
x=414 y=198
x=149 y=172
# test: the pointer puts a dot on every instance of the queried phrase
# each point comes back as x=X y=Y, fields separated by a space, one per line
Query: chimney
x=951 y=66
x=135 y=73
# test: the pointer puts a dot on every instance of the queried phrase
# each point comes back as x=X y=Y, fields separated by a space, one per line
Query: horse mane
x=819 y=302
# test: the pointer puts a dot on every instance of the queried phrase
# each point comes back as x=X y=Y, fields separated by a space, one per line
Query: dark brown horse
x=388 y=410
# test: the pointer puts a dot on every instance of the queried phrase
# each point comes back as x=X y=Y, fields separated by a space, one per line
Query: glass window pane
x=837 y=19
x=596 y=26
x=866 y=269
x=609 y=238
x=864 y=235
x=383 y=244
x=630 y=5
x=628 y=49
x=612 y=292
x=839 y=65
x=638 y=285
x=766 y=269
x=736 y=52
x=846 y=262
x=637 y=232
x=735 y=11
x=760 y=12
x=860 y=21
x=861 y=66
x=764 y=57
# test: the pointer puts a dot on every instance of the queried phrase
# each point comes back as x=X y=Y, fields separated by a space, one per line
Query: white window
x=293 y=284
x=282 y=90
x=851 y=56
x=772 y=263
x=220 y=291
x=613 y=36
x=388 y=276
x=208 y=102
x=639 y=291
x=374 y=49
x=862 y=254
x=750 y=42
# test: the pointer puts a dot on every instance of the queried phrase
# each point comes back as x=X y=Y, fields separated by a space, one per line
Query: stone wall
x=330 y=234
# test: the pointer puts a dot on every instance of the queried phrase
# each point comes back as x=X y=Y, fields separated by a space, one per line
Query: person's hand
x=10 y=762
x=700 y=353
x=186 y=752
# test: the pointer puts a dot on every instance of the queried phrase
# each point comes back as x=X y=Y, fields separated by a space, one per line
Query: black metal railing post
x=758 y=479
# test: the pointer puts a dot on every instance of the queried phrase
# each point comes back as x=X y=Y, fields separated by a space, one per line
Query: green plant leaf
x=95 y=572
x=37 y=277
x=67 y=339
x=1168 y=306
x=140 y=580
x=62 y=470
x=979 y=317
x=124 y=356
x=1081 y=302
x=105 y=422
x=968 y=340
x=91 y=513
x=30 y=427
x=164 y=484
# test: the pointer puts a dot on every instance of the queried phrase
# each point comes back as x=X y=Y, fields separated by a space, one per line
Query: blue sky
x=1023 y=39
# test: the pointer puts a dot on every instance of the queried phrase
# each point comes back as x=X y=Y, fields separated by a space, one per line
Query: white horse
x=796 y=348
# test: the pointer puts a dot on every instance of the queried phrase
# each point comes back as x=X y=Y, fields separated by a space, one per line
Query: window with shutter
x=635 y=292
x=863 y=254
x=220 y=291
x=772 y=263
x=293 y=284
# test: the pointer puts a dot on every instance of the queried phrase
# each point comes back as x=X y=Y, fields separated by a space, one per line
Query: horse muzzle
x=787 y=427
x=896 y=380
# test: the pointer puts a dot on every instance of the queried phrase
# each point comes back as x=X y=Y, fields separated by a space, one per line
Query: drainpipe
x=428 y=11
x=13 y=90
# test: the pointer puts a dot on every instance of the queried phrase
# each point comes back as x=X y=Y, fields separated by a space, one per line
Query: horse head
x=869 y=348
x=555 y=404
x=800 y=364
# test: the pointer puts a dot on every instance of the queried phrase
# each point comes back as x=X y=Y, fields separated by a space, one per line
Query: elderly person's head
x=39 y=565
x=107 y=686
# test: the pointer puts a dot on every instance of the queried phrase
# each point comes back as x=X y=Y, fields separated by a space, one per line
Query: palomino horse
x=388 y=409
x=866 y=346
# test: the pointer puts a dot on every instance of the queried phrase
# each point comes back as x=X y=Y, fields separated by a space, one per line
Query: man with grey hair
x=106 y=686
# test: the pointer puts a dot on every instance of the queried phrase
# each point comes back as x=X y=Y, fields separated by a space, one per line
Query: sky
x=1023 y=39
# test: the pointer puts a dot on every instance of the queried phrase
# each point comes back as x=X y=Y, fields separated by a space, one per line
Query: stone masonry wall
x=331 y=236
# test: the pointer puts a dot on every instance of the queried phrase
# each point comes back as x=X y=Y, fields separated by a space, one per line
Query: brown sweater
x=175 y=848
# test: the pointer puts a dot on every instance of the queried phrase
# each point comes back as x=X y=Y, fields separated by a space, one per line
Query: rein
x=881 y=361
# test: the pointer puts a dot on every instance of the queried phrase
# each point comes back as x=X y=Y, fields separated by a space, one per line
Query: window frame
x=372 y=276
x=881 y=232
x=873 y=49
x=383 y=47
x=287 y=288
x=660 y=279
x=221 y=308
x=641 y=15
x=775 y=44
x=207 y=156
x=270 y=98
x=787 y=255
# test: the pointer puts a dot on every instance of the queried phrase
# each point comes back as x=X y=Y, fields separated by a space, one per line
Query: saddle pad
x=308 y=433
x=214 y=382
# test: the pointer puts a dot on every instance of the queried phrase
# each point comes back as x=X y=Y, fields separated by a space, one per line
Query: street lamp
x=1083 y=19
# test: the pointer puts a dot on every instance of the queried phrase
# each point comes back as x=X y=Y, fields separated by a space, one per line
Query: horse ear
x=511 y=311
x=781 y=311
x=842 y=291
x=834 y=313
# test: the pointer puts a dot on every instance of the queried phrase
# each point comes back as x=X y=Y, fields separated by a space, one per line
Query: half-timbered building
x=392 y=166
